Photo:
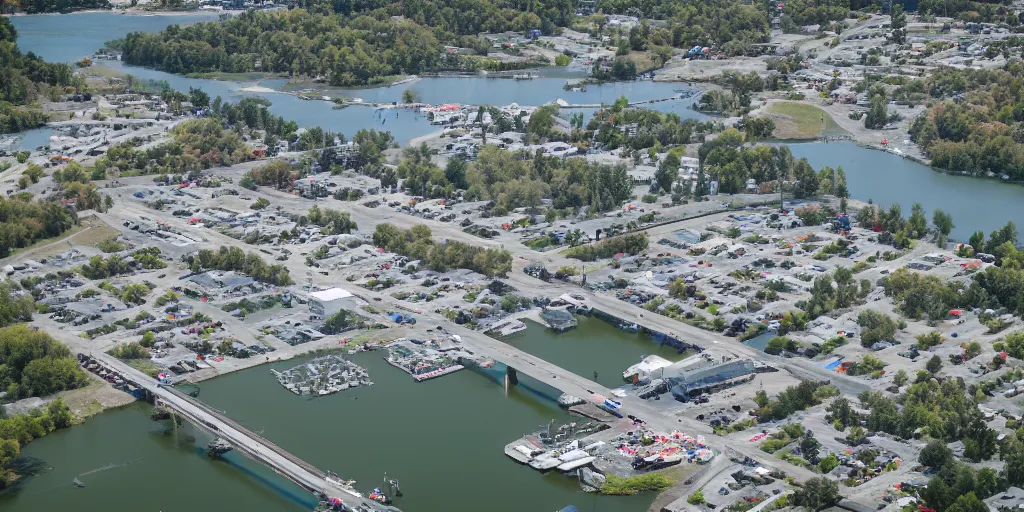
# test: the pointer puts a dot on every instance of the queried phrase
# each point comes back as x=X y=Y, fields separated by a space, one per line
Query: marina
x=323 y=376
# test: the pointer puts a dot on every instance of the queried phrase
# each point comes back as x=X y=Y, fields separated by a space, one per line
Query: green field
x=801 y=121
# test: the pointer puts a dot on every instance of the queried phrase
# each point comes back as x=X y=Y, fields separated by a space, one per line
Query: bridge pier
x=511 y=377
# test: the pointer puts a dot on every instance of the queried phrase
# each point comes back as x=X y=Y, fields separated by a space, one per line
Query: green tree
x=410 y=96
x=817 y=494
x=917 y=224
x=934 y=364
x=878 y=113
x=900 y=378
x=943 y=224
x=898 y=24
x=809 y=447
x=668 y=171
x=936 y=455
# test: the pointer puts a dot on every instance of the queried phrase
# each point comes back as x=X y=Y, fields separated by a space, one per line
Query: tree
x=898 y=24
x=943 y=224
x=809 y=447
x=841 y=413
x=817 y=494
x=917 y=224
x=934 y=364
x=410 y=96
x=900 y=378
x=878 y=113
x=936 y=455
x=148 y=339
x=977 y=241
x=541 y=122
x=806 y=179
x=968 y=503
x=667 y=173
x=828 y=463
x=877 y=326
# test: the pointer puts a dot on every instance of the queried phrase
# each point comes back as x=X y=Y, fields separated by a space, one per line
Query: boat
x=576 y=464
x=77 y=482
x=544 y=463
x=379 y=496
x=567 y=400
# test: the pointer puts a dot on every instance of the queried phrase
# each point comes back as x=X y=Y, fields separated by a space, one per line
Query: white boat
x=572 y=455
x=544 y=463
x=576 y=464
x=567 y=400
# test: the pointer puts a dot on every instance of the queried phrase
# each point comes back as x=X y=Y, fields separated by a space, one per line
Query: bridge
x=244 y=440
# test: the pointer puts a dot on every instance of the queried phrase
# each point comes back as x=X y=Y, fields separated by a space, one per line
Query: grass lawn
x=800 y=120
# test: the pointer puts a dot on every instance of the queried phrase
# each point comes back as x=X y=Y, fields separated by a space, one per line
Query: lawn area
x=800 y=120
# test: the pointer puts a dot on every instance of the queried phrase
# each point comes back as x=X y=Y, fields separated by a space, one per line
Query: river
x=594 y=349
x=442 y=439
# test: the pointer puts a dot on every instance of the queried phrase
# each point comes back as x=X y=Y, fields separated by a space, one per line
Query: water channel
x=593 y=347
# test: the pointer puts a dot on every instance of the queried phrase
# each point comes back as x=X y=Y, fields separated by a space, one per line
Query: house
x=643 y=174
x=688 y=165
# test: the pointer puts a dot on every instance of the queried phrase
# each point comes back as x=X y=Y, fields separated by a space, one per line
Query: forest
x=235 y=259
x=357 y=51
x=35 y=364
x=196 y=144
x=24 y=221
x=976 y=123
x=44 y=6
x=514 y=180
x=417 y=243
x=25 y=78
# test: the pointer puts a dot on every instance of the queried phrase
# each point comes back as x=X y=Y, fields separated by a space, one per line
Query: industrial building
x=703 y=373
x=325 y=303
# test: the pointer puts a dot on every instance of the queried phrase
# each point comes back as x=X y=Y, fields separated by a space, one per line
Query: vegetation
x=696 y=498
x=876 y=326
x=416 y=243
x=196 y=144
x=128 y=351
x=332 y=222
x=41 y=6
x=235 y=259
x=817 y=494
x=514 y=180
x=339 y=322
x=14 y=306
x=792 y=399
x=632 y=485
x=631 y=244
x=34 y=364
x=833 y=291
x=24 y=221
x=972 y=126
x=27 y=79
x=18 y=431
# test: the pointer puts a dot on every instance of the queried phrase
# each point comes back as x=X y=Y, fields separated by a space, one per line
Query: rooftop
x=331 y=294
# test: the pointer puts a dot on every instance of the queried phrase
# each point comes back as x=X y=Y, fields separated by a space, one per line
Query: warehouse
x=325 y=303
